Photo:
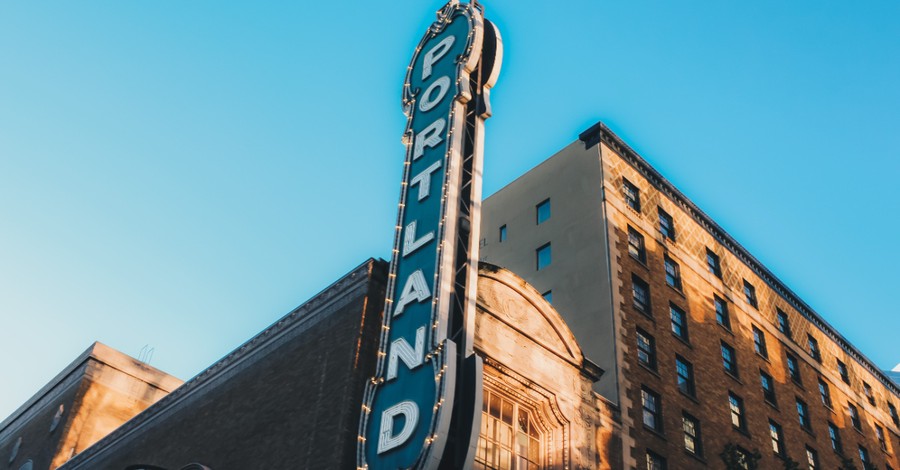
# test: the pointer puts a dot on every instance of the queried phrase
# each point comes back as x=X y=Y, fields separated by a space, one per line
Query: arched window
x=510 y=439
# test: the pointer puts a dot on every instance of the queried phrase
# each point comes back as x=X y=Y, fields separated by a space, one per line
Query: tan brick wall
x=703 y=348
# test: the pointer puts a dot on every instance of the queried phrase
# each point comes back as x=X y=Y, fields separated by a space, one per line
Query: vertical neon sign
x=412 y=415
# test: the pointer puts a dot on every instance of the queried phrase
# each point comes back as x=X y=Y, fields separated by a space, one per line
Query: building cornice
x=600 y=133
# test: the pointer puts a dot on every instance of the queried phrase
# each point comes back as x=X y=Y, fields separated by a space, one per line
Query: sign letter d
x=387 y=440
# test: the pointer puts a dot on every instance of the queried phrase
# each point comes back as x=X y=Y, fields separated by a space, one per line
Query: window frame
x=783 y=322
x=776 y=435
x=750 y=294
x=685 y=381
x=825 y=393
x=695 y=437
x=667 y=228
x=682 y=331
x=713 y=263
x=793 y=367
x=632 y=195
x=539 y=211
x=637 y=250
x=503 y=235
x=538 y=258
x=643 y=307
x=759 y=342
x=834 y=436
x=803 y=414
x=855 y=420
x=654 y=412
x=650 y=352
x=737 y=411
x=812 y=347
x=843 y=371
x=729 y=364
x=723 y=316
x=673 y=273
x=769 y=394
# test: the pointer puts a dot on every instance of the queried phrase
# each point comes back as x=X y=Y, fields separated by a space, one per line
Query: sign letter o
x=428 y=102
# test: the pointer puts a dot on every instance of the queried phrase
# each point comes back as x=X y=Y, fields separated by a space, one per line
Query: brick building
x=705 y=348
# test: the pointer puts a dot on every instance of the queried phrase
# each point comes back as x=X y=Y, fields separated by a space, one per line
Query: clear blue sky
x=181 y=174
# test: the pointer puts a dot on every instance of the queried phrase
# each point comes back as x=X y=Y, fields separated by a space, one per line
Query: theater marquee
x=423 y=407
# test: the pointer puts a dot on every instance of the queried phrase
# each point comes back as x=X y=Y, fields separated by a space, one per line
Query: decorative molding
x=600 y=133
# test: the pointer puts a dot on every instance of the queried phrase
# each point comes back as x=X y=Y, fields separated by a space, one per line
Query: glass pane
x=507 y=412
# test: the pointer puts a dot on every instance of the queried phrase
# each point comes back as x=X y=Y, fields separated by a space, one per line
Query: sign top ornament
x=412 y=416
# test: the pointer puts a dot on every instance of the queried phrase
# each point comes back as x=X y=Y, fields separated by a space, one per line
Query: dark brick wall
x=295 y=407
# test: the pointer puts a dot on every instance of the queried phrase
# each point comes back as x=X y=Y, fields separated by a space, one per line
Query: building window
x=793 y=368
x=712 y=262
x=803 y=414
x=543 y=256
x=813 y=348
x=666 y=225
x=777 y=437
x=835 y=436
x=636 y=245
x=864 y=458
x=655 y=461
x=502 y=233
x=640 y=291
x=509 y=438
x=691 y=428
x=825 y=393
x=812 y=459
x=632 y=195
x=784 y=326
x=893 y=411
x=868 y=391
x=743 y=458
x=729 y=359
x=652 y=409
x=646 y=349
x=684 y=371
x=750 y=294
x=548 y=296
x=842 y=370
x=759 y=342
x=736 y=404
x=679 y=322
x=542 y=211
x=879 y=434
x=673 y=273
x=768 y=386
x=722 y=317
x=854 y=416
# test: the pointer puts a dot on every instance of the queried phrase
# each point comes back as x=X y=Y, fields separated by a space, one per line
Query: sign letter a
x=415 y=289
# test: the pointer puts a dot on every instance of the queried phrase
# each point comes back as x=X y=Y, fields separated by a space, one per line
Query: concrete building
x=706 y=350
x=94 y=395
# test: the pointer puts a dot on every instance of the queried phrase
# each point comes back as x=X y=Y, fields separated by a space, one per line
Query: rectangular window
x=712 y=262
x=640 y=291
x=679 y=322
x=803 y=414
x=893 y=411
x=784 y=325
x=632 y=195
x=691 y=428
x=813 y=347
x=636 y=245
x=666 y=225
x=864 y=458
x=655 y=461
x=646 y=349
x=768 y=386
x=869 y=395
x=729 y=359
x=652 y=409
x=854 y=416
x=842 y=369
x=542 y=211
x=812 y=459
x=750 y=294
x=825 y=393
x=777 y=437
x=722 y=316
x=548 y=296
x=879 y=434
x=835 y=435
x=502 y=233
x=736 y=404
x=759 y=342
x=673 y=273
x=793 y=368
x=543 y=256
x=684 y=371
